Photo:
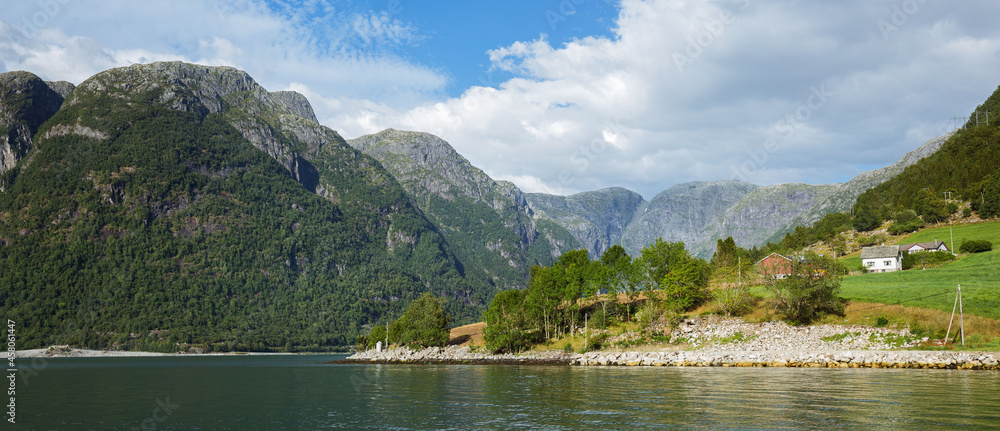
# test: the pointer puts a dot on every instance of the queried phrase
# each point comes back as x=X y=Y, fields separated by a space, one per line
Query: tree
x=616 y=273
x=810 y=291
x=506 y=322
x=866 y=219
x=989 y=205
x=681 y=280
x=726 y=253
x=423 y=324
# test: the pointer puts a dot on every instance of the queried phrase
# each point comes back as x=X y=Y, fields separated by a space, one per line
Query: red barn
x=775 y=266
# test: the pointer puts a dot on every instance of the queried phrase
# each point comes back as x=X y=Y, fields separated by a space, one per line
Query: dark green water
x=303 y=393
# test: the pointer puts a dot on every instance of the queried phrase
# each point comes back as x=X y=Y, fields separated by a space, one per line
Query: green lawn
x=979 y=275
x=988 y=230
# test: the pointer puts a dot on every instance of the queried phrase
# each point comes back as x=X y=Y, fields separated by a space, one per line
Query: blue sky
x=562 y=96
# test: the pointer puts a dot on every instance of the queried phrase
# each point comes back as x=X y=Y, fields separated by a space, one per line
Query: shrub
x=898 y=228
x=811 y=291
x=423 y=324
x=975 y=246
x=924 y=258
x=735 y=302
x=966 y=212
x=506 y=322
x=881 y=322
x=596 y=342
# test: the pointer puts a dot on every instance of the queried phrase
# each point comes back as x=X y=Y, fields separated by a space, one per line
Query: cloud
x=348 y=53
x=684 y=91
x=680 y=91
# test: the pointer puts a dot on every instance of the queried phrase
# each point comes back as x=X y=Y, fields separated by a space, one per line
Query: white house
x=886 y=258
x=923 y=246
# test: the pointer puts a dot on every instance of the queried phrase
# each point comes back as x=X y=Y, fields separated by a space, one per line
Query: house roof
x=880 y=252
x=775 y=254
x=933 y=245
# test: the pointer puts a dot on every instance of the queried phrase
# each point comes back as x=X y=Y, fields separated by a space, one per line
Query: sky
x=564 y=96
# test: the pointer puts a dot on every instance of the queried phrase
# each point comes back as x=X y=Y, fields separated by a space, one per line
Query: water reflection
x=304 y=393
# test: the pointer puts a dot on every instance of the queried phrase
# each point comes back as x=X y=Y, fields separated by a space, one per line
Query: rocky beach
x=717 y=342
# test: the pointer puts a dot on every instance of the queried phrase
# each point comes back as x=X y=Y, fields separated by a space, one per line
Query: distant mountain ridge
x=699 y=213
x=488 y=222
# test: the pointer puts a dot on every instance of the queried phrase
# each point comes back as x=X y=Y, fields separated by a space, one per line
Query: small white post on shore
x=961 y=315
x=378 y=347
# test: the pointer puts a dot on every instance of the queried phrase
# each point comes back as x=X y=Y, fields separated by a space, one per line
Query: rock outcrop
x=682 y=213
x=25 y=103
x=489 y=221
x=596 y=219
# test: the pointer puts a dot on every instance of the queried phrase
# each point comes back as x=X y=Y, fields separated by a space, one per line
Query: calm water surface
x=304 y=393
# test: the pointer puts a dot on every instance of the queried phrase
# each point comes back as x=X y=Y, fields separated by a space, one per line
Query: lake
x=303 y=392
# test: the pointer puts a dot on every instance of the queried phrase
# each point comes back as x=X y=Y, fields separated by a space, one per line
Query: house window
x=870 y=263
x=888 y=263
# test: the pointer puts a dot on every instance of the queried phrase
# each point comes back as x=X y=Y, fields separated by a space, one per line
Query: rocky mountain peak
x=297 y=103
x=25 y=103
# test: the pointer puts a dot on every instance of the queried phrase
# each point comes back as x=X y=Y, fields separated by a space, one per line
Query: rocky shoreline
x=710 y=358
x=717 y=342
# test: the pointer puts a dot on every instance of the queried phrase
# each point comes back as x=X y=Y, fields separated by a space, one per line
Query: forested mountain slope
x=488 y=223
x=173 y=203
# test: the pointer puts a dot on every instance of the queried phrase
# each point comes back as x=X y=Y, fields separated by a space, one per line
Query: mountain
x=682 y=212
x=170 y=204
x=487 y=222
x=699 y=213
x=843 y=197
x=595 y=219
x=967 y=165
x=759 y=214
x=25 y=103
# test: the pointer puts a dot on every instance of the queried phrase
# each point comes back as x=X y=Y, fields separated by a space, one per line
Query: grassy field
x=988 y=230
x=979 y=275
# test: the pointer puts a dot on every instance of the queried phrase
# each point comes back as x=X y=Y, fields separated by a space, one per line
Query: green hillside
x=147 y=220
x=979 y=275
x=987 y=230
x=965 y=165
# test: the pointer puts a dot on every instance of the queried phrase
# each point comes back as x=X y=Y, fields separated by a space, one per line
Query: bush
x=976 y=246
x=423 y=324
x=505 y=322
x=735 y=302
x=904 y=216
x=811 y=291
x=898 y=228
x=596 y=342
x=924 y=258
x=966 y=212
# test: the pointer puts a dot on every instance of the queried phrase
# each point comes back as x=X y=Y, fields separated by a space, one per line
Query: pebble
x=770 y=344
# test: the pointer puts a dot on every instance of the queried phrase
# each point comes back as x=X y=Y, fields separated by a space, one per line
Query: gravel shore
x=717 y=342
